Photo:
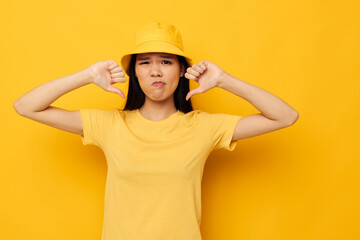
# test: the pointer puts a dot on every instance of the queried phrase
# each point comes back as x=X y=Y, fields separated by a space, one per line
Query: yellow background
x=296 y=183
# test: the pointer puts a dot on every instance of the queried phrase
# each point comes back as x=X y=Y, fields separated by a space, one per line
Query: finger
x=198 y=68
x=192 y=93
x=193 y=72
x=202 y=65
x=204 y=62
x=112 y=64
x=117 y=74
x=116 y=90
x=118 y=80
x=116 y=69
x=189 y=76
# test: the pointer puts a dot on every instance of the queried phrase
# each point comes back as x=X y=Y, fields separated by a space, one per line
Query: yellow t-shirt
x=153 y=185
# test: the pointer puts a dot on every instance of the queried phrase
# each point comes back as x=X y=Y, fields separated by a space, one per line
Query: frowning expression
x=158 y=74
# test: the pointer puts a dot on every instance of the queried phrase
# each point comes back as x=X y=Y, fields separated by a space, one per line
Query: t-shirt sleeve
x=221 y=128
x=96 y=124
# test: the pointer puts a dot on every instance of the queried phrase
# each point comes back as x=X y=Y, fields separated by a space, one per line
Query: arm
x=35 y=104
x=274 y=112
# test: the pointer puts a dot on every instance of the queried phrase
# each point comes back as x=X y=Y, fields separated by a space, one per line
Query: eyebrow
x=162 y=56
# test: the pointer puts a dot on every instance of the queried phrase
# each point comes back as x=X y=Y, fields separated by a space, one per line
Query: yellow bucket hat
x=156 y=37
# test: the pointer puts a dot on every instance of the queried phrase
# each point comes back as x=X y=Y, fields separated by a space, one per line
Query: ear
x=182 y=70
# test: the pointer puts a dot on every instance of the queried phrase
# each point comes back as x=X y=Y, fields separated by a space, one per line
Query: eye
x=167 y=61
x=143 y=63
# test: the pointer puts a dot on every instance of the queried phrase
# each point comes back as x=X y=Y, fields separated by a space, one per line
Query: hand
x=106 y=73
x=206 y=74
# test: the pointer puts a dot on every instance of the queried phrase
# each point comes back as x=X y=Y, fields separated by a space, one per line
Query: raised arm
x=274 y=112
x=35 y=104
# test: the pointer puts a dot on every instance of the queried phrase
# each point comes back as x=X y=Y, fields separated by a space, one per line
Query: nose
x=156 y=71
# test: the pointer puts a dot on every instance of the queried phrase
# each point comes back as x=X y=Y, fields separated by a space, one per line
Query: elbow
x=18 y=108
x=293 y=117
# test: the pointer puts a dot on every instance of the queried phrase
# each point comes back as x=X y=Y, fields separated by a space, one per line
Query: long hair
x=136 y=97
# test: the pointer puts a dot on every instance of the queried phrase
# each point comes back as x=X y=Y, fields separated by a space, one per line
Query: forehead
x=155 y=55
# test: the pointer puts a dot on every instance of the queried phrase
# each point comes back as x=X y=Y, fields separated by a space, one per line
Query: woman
x=156 y=147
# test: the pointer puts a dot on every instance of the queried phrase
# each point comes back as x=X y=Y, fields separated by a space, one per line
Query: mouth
x=158 y=84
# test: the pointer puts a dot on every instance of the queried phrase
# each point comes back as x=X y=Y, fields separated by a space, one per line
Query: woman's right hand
x=106 y=73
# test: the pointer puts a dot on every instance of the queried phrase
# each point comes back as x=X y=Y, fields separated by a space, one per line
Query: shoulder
x=197 y=113
x=123 y=113
x=206 y=118
x=200 y=117
x=100 y=113
x=203 y=115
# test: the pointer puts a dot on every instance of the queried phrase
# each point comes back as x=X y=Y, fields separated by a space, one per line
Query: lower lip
x=158 y=84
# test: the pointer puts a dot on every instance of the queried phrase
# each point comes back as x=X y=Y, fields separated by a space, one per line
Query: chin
x=159 y=98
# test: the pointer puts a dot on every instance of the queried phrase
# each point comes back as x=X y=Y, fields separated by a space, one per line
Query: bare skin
x=151 y=67
x=159 y=104
x=274 y=112
x=35 y=104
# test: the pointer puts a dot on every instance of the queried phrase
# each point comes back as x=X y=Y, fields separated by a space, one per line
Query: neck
x=158 y=110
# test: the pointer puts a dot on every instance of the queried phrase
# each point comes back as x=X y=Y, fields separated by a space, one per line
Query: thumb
x=192 y=92
x=116 y=90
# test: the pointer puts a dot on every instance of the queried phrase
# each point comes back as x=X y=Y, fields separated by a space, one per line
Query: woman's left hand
x=206 y=74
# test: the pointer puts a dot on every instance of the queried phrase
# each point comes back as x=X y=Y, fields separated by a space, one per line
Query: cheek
x=142 y=84
x=174 y=73
x=175 y=78
x=140 y=77
x=137 y=71
x=174 y=85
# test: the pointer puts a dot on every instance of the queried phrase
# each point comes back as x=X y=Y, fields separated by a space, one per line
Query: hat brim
x=152 y=46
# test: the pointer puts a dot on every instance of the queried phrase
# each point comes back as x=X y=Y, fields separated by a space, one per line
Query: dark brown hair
x=136 y=97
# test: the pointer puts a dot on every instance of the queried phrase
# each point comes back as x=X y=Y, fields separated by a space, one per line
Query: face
x=154 y=67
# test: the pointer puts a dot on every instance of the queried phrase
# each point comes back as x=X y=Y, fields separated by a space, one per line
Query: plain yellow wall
x=296 y=183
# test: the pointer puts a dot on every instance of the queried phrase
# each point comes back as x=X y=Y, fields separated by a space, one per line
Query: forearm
x=42 y=96
x=268 y=104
